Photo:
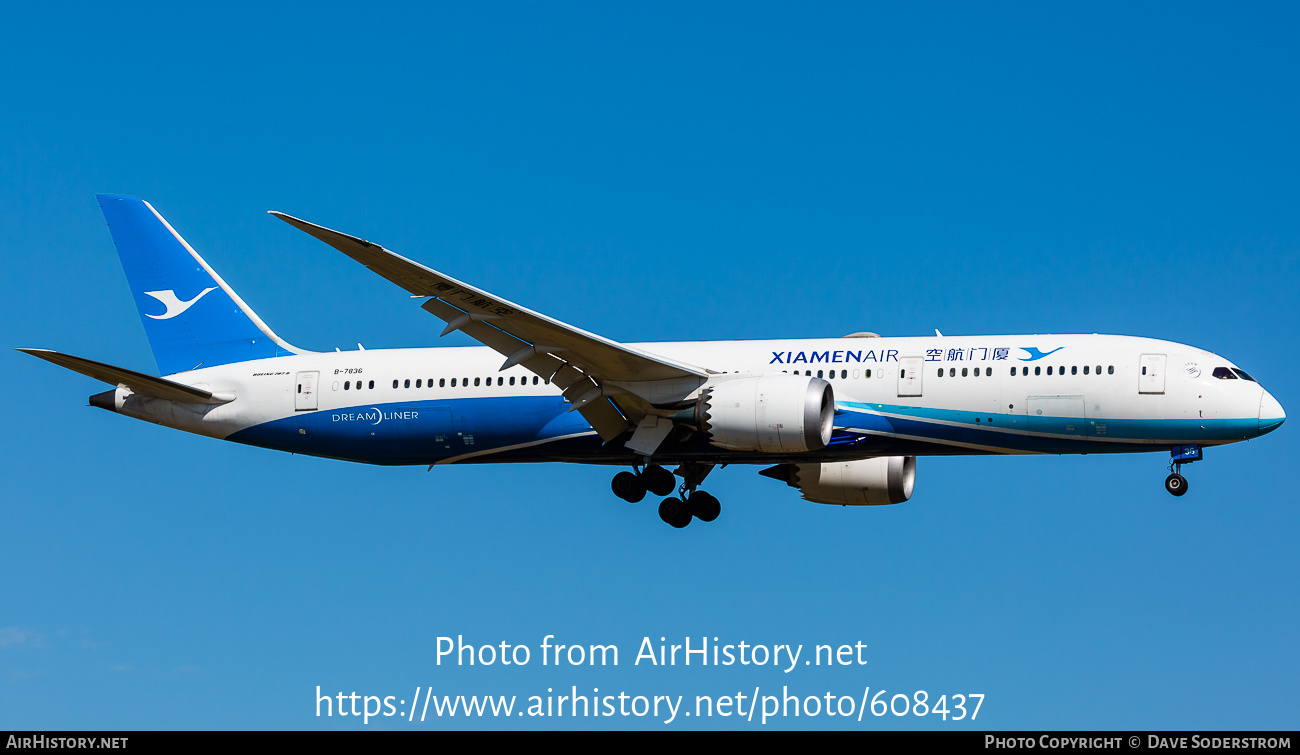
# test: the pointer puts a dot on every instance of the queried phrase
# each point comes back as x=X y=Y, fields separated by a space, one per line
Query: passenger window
x=1110 y=370
x=1049 y=370
x=394 y=383
x=1242 y=374
x=1039 y=370
x=418 y=383
x=534 y=380
x=346 y=384
x=1144 y=369
x=476 y=381
x=512 y=381
x=988 y=372
x=1013 y=372
x=1223 y=373
x=819 y=373
x=442 y=382
x=407 y=384
x=501 y=381
x=963 y=372
x=1085 y=369
x=940 y=372
x=1074 y=370
x=1098 y=369
x=867 y=373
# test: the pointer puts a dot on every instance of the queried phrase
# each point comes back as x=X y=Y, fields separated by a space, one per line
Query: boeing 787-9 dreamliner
x=840 y=419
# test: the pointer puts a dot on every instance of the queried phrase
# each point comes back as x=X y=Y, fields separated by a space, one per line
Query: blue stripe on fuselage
x=1016 y=432
x=418 y=432
x=426 y=432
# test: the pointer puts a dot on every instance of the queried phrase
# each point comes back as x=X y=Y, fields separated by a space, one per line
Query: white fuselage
x=913 y=396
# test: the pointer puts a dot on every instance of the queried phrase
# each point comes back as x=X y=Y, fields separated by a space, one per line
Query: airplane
x=842 y=420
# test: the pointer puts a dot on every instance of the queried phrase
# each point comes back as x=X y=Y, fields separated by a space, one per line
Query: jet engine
x=770 y=413
x=866 y=482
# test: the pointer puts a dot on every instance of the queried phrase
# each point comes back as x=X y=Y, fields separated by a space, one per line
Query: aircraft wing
x=580 y=363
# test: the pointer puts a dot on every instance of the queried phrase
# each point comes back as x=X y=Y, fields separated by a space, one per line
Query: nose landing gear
x=1175 y=483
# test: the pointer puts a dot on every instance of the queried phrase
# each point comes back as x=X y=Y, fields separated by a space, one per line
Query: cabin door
x=910 y=372
x=304 y=398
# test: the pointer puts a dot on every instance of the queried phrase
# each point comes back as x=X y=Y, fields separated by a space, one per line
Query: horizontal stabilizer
x=137 y=382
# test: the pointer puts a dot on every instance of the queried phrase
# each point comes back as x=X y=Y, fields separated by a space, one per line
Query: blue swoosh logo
x=1035 y=354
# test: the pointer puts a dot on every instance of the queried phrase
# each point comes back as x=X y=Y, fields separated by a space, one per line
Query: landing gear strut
x=693 y=504
x=678 y=510
x=1175 y=483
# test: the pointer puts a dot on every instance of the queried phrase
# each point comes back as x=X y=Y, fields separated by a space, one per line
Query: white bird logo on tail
x=174 y=305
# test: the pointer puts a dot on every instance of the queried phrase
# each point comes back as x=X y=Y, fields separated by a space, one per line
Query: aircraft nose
x=1271 y=415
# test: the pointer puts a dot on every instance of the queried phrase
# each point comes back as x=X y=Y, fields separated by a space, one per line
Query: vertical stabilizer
x=190 y=315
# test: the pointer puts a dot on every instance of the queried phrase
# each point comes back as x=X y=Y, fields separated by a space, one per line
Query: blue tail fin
x=190 y=315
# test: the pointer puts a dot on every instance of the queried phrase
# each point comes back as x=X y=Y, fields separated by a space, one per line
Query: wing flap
x=608 y=422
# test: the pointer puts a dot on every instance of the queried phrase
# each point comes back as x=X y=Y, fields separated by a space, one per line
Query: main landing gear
x=677 y=511
x=632 y=487
x=1175 y=483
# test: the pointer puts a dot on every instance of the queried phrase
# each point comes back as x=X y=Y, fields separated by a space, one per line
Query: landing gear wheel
x=1176 y=484
x=705 y=507
x=628 y=486
x=674 y=511
x=659 y=480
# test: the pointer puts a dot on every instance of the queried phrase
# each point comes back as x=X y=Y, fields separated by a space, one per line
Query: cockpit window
x=1223 y=373
x=1243 y=375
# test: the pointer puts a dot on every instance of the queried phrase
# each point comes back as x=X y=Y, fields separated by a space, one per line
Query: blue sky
x=650 y=172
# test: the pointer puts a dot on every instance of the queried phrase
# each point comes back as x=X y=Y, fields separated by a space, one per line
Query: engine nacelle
x=770 y=413
x=866 y=482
